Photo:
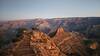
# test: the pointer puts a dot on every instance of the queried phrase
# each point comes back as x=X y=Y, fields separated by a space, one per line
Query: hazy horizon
x=30 y=9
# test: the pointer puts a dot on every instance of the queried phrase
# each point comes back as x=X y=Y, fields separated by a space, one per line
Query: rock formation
x=23 y=47
x=69 y=42
x=35 y=43
x=43 y=45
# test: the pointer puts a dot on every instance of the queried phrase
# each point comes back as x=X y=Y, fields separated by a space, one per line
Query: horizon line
x=47 y=18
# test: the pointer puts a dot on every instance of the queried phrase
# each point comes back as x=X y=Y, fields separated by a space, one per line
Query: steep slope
x=60 y=31
x=34 y=43
x=23 y=47
x=70 y=42
x=60 y=35
x=43 y=45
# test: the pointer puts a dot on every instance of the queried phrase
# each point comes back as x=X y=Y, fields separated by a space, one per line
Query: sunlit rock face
x=43 y=45
x=60 y=35
x=34 y=43
x=69 y=42
x=60 y=31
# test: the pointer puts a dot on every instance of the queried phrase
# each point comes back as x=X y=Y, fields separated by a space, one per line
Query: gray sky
x=30 y=9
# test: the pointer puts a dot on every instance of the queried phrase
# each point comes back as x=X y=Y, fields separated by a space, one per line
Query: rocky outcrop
x=35 y=43
x=22 y=47
x=70 y=43
x=60 y=31
x=43 y=45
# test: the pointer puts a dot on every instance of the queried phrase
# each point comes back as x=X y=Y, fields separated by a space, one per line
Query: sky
x=30 y=9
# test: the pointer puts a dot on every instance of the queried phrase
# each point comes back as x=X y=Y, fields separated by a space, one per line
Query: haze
x=30 y=9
